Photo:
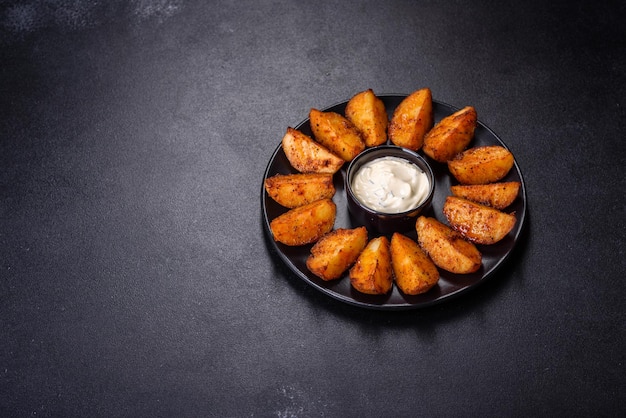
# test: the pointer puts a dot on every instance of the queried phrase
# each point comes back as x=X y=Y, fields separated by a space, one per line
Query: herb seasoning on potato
x=367 y=112
x=481 y=165
x=451 y=135
x=293 y=190
x=412 y=119
x=336 y=251
x=372 y=273
x=336 y=133
x=415 y=273
x=478 y=223
x=447 y=248
x=308 y=156
x=497 y=195
x=304 y=224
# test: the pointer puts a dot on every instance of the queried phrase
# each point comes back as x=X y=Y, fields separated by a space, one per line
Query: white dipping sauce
x=390 y=185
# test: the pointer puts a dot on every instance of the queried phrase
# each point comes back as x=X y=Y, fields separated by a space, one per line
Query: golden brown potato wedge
x=481 y=165
x=412 y=119
x=414 y=271
x=308 y=156
x=304 y=224
x=367 y=112
x=497 y=195
x=446 y=247
x=478 y=223
x=336 y=133
x=335 y=252
x=293 y=190
x=371 y=274
x=451 y=135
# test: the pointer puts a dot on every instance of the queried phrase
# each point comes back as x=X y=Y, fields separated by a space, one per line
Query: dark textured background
x=135 y=276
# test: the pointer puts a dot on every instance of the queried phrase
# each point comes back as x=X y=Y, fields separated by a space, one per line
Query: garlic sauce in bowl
x=387 y=187
x=390 y=185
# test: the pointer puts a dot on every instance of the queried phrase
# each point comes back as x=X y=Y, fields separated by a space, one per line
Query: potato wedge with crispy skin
x=335 y=252
x=336 y=133
x=372 y=274
x=478 y=223
x=304 y=224
x=446 y=247
x=412 y=119
x=367 y=112
x=481 y=165
x=497 y=195
x=415 y=273
x=293 y=190
x=308 y=156
x=451 y=135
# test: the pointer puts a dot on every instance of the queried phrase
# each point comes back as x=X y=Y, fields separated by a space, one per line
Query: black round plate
x=449 y=284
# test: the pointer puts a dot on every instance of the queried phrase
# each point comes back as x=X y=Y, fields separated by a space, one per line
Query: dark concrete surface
x=135 y=275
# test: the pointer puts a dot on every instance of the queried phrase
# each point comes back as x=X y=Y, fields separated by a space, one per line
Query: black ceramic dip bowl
x=382 y=216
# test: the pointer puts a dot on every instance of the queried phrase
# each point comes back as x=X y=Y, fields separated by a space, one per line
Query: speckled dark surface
x=135 y=276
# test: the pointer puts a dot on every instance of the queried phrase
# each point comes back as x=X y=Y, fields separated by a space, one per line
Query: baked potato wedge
x=497 y=195
x=451 y=135
x=335 y=252
x=304 y=224
x=415 y=273
x=372 y=274
x=446 y=247
x=478 y=223
x=293 y=190
x=336 y=133
x=412 y=119
x=308 y=156
x=367 y=112
x=481 y=165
